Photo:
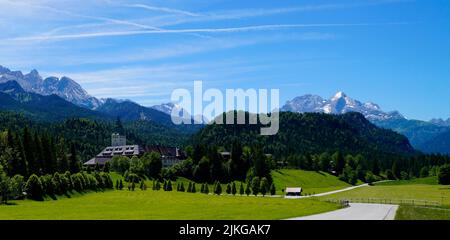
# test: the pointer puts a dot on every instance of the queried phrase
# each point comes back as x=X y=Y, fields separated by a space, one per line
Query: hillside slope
x=312 y=133
x=310 y=181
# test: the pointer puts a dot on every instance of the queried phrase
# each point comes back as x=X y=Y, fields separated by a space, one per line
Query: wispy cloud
x=162 y=9
x=195 y=30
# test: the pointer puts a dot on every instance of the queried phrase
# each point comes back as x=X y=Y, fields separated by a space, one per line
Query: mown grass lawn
x=422 y=213
x=404 y=191
x=310 y=181
x=150 y=204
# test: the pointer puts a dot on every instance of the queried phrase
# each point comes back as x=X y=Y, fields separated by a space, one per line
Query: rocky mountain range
x=340 y=103
x=63 y=87
x=426 y=136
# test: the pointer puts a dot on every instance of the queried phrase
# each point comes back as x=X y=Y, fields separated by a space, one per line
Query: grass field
x=401 y=190
x=310 y=181
x=425 y=189
x=422 y=213
x=426 y=181
x=163 y=205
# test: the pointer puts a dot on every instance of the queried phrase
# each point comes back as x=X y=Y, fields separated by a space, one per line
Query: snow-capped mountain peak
x=64 y=87
x=340 y=103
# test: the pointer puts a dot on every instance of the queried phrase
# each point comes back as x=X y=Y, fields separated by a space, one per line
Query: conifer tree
x=28 y=151
x=255 y=185
x=218 y=188
x=169 y=185
x=74 y=163
x=228 y=190
x=233 y=188
x=193 y=190
x=241 y=189
x=182 y=187
x=117 y=184
x=62 y=161
x=272 y=189
x=202 y=189
x=206 y=188
x=189 y=189
x=120 y=184
x=264 y=186
x=33 y=188
x=247 y=189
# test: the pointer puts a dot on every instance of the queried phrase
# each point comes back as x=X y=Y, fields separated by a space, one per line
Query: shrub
x=120 y=184
x=272 y=189
x=390 y=175
x=17 y=187
x=202 y=188
x=58 y=184
x=255 y=185
x=206 y=188
x=47 y=185
x=169 y=186
x=424 y=172
x=444 y=175
x=264 y=186
x=241 y=189
x=193 y=190
x=76 y=181
x=233 y=188
x=370 y=178
x=218 y=188
x=247 y=190
x=34 y=188
x=182 y=187
x=228 y=190
x=404 y=175
x=68 y=176
x=189 y=188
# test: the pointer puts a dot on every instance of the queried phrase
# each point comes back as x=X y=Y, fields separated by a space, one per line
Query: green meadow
x=310 y=181
x=419 y=190
x=149 y=204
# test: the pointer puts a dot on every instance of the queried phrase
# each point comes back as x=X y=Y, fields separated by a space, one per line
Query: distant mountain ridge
x=340 y=103
x=46 y=108
x=421 y=134
x=64 y=87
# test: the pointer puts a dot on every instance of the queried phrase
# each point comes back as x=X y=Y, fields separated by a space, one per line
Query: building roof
x=126 y=150
x=98 y=160
x=293 y=189
x=166 y=151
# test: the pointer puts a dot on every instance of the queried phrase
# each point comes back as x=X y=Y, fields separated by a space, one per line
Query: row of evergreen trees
x=30 y=152
x=37 y=187
x=255 y=187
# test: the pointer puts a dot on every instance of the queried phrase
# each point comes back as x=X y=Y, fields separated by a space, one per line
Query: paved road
x=357 y=211
x=336 y=191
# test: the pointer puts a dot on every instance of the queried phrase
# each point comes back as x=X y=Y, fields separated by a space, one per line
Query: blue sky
x=392 y=52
